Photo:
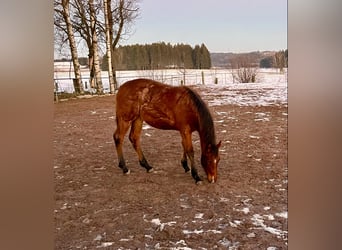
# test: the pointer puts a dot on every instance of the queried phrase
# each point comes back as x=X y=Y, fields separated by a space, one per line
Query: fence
x=63 y=81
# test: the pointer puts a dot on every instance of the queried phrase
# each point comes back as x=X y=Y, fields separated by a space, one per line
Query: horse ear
x=218 y=144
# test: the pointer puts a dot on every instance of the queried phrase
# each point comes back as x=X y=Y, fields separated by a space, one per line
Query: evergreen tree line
x=160 y=56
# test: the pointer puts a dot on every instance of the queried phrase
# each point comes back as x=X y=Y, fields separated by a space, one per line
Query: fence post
x=56 y=91
x=202 y=73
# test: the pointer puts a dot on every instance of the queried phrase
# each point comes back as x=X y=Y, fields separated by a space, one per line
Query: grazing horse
x=166 y=107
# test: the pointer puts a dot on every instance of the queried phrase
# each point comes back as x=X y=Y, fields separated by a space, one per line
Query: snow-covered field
x=270 y=88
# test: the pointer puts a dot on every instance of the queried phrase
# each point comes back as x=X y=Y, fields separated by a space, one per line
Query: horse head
x=209 y=160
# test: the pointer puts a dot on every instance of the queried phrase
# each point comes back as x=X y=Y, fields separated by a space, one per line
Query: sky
x=222 y=25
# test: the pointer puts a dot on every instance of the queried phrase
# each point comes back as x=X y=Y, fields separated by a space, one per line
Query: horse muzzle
x=211 y=179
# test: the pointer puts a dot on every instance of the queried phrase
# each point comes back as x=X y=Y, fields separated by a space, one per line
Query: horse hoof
x=200 y=182
x=150 y=170
x=127 y=172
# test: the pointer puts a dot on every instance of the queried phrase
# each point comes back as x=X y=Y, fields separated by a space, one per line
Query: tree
x=120 y=16
x=196 y=57
x=82 y=19
x=205 y=57
x=279 y=60
x=62 y=21
x=96 y=22
x=243 y=70
x=107 y=14
x=96 y=64
x=266 y=62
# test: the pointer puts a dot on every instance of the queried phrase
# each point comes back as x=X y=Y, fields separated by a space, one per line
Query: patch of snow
x=98 y=238
x=254 y=137
x=148 y=236
x=124 y=239
x=199 y=216
x=269 y=216
x=228 y=244
x=185 y=231
x=161 y=226
x=105 y=244
x=235 y=223
x=245 y=210
x=251 y=235
x=258 y=221
x=282 y=214
x=65 y=206
x=146 y=126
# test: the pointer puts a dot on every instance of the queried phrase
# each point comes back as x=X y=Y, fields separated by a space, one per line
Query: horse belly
x=158 y=119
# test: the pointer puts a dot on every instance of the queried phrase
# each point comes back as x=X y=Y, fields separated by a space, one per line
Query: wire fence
x=63 y=81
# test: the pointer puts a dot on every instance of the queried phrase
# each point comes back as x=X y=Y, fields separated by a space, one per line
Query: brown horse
x=166 y=107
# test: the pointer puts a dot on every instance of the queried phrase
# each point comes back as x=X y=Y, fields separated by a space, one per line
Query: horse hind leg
x=118 y=136
x=134 y=137
x=184 y=163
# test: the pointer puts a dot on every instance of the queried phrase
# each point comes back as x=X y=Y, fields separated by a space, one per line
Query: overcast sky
x=222 y=25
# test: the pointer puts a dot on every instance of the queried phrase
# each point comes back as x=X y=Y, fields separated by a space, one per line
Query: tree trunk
x=118 y=34
x=107 y=12
x=97 y=67
x=91 y=69
x=73 y=47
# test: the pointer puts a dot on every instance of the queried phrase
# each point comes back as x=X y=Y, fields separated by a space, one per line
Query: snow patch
x=258 y=221
x=105 y=244
x=161 y=226
x=282 y=214
x=199 y=216
x=185 y=231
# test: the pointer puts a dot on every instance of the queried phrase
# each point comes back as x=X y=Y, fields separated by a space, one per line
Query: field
x=97 y=207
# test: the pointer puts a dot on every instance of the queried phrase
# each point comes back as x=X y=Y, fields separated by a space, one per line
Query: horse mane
x=206 y=124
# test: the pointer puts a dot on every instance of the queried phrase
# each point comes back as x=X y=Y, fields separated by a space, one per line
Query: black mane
x=206 y=124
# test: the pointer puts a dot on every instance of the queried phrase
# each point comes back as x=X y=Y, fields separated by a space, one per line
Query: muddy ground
x=97 y=207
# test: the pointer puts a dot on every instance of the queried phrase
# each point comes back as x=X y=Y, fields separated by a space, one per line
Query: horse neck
x=206 y=133
x=204 y=120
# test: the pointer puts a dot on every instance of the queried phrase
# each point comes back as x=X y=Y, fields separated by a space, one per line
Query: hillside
x=223 y=60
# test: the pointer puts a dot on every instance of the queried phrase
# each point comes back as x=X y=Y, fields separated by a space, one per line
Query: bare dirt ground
x=97 y=207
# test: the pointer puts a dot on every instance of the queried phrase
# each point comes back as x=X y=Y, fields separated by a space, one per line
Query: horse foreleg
x=189 y=152
x=134 y=137
x=118 y=136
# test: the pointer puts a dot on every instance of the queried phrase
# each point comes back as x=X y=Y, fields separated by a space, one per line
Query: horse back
x=160 y=105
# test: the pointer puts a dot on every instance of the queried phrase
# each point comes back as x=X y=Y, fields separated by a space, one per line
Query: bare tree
x=94 y=20
x=95 y=51
x=243 y=70
x=121 y=14
x=108 y=28
x=279 y=60
x=63 y=23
